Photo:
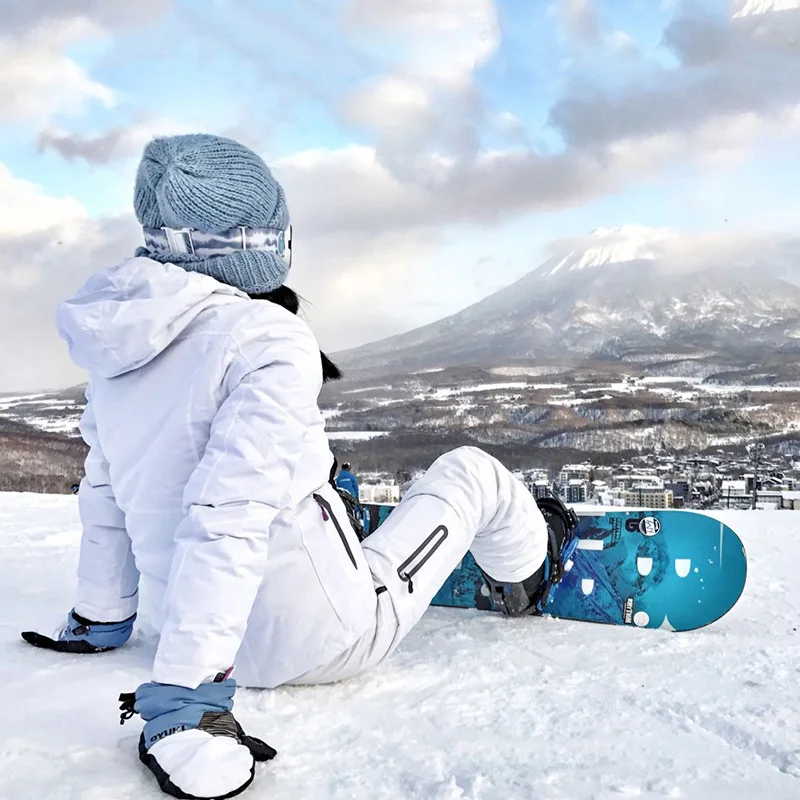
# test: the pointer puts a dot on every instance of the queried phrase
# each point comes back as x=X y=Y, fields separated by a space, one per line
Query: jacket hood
x=123 y=317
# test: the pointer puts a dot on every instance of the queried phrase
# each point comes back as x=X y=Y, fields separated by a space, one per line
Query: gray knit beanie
x=227 y=194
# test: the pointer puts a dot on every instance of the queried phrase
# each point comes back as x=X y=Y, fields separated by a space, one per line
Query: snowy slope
x=472 y=705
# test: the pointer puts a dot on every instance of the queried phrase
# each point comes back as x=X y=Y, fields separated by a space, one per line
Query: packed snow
x=472 y=705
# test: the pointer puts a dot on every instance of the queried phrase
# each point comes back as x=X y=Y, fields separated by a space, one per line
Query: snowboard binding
x=529 y=597
x=352 y=507
x=355 y=515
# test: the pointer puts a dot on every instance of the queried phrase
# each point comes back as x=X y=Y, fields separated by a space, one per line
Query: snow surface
x=55 y=425
x=472 y=705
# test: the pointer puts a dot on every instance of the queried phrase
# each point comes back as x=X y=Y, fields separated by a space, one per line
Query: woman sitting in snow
x=208 y=479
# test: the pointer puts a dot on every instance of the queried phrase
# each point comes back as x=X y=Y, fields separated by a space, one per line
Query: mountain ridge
x=627 y=293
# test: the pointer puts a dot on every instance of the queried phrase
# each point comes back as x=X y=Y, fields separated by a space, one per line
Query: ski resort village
x=723 y=480
x=400 y=400
x=652 y=480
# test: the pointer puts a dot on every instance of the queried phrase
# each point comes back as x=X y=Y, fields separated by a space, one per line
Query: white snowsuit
x=207 y=488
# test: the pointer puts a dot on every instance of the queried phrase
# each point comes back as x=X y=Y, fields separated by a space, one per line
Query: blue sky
x=432 y=151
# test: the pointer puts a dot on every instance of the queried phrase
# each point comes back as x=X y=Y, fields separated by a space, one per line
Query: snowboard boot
x=81 y=635
x=530 y=596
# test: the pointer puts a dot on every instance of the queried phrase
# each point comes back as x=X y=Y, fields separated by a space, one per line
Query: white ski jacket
x=207 y=448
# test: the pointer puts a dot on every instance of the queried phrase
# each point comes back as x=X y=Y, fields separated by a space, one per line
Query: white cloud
x=356 y=191
x=48 y=246
x=448 y=39
x=27 y=209
x=37 y=80
x=428 y=104
x=580 y=19
x=345 y=190
x=727 y=71
x=390 y=102
x=428 y=167
x=40 y=270
x=364 y=287
x=622 y=43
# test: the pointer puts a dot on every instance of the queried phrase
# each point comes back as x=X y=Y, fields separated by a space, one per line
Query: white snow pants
x=467 y=500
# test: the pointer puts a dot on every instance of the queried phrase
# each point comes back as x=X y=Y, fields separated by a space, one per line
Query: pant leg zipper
x=327 y=513
x=404 y=573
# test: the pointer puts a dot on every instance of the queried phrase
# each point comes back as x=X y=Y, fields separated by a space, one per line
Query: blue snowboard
x=676 y=570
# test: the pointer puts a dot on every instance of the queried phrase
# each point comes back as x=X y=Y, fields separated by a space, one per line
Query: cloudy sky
x=432 y=150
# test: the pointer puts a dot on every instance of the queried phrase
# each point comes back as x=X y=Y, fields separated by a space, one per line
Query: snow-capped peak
x=612 y=246
x=747 y=8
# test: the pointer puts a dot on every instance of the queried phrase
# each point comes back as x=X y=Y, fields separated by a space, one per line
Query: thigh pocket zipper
x=327 y=512
x=412 y=565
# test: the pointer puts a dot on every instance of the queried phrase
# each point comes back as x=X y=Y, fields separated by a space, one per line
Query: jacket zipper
x=327 y=513
x=404 y=573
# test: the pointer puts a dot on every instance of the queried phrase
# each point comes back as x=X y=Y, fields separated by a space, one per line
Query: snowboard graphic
x=676 y=570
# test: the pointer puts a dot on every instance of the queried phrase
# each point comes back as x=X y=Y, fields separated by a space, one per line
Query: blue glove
x=191 y=741
x=81 y=635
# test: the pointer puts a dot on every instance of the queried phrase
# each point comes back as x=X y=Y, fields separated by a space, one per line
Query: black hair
x=288 y=298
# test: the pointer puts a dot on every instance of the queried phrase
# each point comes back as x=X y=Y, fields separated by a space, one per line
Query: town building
x=379 y=493
x=576 y=491
x=648 y=497
x=575 y=472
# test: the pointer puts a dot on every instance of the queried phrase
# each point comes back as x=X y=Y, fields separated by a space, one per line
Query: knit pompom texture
x=211 y=184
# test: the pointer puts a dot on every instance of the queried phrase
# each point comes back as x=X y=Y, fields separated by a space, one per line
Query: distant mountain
x=632 y=294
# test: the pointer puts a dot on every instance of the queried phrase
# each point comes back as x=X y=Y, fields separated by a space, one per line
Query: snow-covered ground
x=472 y=705
x=43 y=411
x=54 y=414
x=357 y=436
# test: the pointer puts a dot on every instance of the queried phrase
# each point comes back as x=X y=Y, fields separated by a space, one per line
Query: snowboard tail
x=671 y=569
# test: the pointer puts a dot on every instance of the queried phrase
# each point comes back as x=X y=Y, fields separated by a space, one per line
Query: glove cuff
x=168 y=709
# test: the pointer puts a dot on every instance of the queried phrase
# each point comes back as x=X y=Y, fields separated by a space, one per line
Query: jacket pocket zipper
x=404 y=573
x=327 y=512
